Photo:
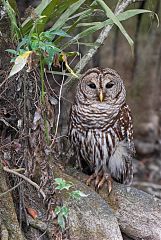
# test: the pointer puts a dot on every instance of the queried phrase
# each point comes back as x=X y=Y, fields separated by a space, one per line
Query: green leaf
x=122 y=17
x=78 y=194
x=35 y=45
x=46 y=7
x=52 y=9
x=88 y=24
x=60 y=33
x=72 y=54
x=43 y=5
x=82 y=15
x=25 y=40
x=131 y=13
x=62 y=184
x=87 y=44
x=13 y=4
x=59 y=180
x=62 y=187
x=49 y=35
x=65 y=211
x=115 y=20
x=57 y=210
x=18 y=66
x=12 y=16
x=13 y=60
x=12 y=51
x=51 y=51
x=62 y=213
x=64 y=17
x=20 y=62
x=88 y=31
x=61 y=221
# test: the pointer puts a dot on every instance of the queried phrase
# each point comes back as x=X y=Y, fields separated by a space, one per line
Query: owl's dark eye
x=92 y=85
x=109 y=85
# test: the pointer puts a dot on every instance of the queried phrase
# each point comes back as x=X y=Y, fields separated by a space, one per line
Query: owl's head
x=101 y=86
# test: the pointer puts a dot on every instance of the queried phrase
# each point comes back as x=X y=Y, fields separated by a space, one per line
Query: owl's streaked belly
x=94 y=146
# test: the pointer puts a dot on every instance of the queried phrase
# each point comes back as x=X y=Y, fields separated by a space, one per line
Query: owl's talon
x=101 y=182
x=104 y=179
x=90 y=179
x=97 y=181
x=109 y=182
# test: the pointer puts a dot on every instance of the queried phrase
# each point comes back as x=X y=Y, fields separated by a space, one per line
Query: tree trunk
x=8 y=218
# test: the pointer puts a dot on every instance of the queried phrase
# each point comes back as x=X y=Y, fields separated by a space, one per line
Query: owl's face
x=102 y=86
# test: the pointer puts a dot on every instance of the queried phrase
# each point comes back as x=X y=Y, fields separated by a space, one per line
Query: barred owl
x=100 y=129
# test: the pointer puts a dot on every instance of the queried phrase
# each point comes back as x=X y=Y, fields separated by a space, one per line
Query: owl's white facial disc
x=101 y=86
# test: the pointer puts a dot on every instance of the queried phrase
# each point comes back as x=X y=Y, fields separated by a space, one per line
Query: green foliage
x=41 y=45
x=51 y=9
x=33 y=37
x=62 y=184
x=11 y=7
x=63 y=211
x=115 y=20
x=99 y=25
x=65 y=16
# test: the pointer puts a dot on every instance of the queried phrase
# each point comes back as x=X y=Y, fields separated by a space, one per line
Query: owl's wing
x=126 y=127
x=125 y=150
x=128 y=124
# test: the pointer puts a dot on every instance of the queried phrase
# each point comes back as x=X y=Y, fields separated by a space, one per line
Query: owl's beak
x=101 y=96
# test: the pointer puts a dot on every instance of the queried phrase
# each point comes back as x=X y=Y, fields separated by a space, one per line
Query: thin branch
x=7 y=124
x=9 y=144
x=6 y=169
x=59 y=111
x=11 y=189
x=47 y=80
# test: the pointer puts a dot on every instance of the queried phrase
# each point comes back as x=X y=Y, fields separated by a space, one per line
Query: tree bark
x=9 y=225
x=8 y=218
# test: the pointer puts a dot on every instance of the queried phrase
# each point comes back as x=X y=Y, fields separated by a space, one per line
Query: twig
x=7 y=124
x=6 y=169
x=11 y=189
x=59 y=110
x=47 y=80
x=8 y=144
x=19 y=169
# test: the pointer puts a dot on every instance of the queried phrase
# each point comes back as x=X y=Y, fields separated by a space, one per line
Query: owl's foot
x=105 y=178
x=100 y=180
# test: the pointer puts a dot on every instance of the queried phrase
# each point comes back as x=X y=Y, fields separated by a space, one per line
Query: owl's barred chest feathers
x=91 y=117
x=97 y=139
x=101 y=131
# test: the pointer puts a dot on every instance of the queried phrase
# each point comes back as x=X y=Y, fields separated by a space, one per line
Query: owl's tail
x=120 y=164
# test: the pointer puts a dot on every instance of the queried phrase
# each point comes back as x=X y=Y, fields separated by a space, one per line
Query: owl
x=101 y=130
